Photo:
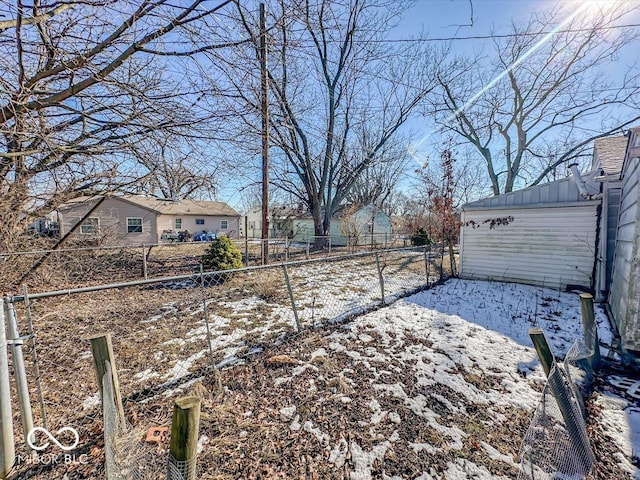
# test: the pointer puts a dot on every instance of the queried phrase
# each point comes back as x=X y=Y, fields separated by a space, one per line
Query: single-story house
x=138 y=219
x=559 y=234
x=349 y=226
x=280 y=221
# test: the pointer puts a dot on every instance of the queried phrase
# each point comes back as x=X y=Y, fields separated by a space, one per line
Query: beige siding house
x=136 y=219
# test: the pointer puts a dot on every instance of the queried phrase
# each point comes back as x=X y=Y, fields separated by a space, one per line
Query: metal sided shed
x=543 y=235
x=624 y=297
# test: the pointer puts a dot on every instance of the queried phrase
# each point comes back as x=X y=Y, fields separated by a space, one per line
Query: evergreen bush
x=420 y=238
x=221 y=254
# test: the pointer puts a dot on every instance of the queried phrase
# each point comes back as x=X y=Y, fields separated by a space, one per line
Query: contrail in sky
x=412 y=148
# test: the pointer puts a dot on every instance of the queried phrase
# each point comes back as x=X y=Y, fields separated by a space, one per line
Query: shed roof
x=169 y=207
x=559 y=192
x=609 y=151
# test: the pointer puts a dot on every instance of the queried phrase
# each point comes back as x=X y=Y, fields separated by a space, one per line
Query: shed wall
x=548 y=246
x=625 y=292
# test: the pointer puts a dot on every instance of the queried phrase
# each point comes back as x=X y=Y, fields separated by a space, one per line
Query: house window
x=90 y=226
x=178 y=224
x=223 y=224
x=134 y=225
x=199 y=221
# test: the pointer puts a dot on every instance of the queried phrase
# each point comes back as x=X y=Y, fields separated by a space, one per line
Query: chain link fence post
x=291 y=298
x=205 y=310
x=22 y=385
x=7 y=442
x=380 y=277
x=34 y=355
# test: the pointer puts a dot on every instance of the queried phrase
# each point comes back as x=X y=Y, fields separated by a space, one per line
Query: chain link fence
x=171 y=334
x=78 y=265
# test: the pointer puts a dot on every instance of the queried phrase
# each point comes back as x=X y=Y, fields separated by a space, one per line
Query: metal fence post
x=145 y=268
x=291 y=298
x=7 y=442
x=308 y=246
x=34 y=355
x=17 y=355
x=380 y=277
x=426 y=262
x=564 y=397
x=329 y=245
x=205 y=309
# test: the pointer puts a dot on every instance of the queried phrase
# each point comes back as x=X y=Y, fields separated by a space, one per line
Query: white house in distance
x=364 y=226
x=137 y=219
x=280 y=221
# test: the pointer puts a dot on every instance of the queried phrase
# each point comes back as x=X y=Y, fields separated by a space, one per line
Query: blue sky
x=452 y=18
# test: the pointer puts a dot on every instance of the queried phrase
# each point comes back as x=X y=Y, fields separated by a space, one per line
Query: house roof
x=169 y=207
x=610 y=153
x=560 y=192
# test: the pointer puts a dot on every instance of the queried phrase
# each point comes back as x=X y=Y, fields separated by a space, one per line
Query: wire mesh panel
x=556 y=444
x=406 y=270
x=332 y=289
x=180 y=470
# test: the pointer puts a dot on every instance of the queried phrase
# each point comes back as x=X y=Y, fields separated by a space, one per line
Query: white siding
x=551 y=246
x=625 y=292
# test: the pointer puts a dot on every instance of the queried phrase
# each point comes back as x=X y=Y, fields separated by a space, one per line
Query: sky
x=461 y=18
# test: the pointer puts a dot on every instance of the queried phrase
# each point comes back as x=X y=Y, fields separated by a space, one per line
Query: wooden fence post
x=102 y=350
x=590 y=332
x=542 y=347
x=183 y=447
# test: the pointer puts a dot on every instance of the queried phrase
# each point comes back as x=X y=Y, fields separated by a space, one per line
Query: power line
x=505 y=35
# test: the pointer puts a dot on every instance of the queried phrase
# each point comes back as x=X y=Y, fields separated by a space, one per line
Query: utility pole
x=265 y=133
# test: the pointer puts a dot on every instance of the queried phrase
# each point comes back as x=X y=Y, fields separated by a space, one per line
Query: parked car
x=204 y=237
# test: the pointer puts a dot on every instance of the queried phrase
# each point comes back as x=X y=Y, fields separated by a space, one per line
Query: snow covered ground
x=439 y=385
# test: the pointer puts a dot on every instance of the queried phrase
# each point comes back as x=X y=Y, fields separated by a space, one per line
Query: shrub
x=221 y=254
x=420 y=238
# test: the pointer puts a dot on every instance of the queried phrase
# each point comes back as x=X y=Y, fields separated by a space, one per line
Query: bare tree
x=545 y=84
x=80 y=84
x=377 y=183
x=172 y=167
x=338 y=96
